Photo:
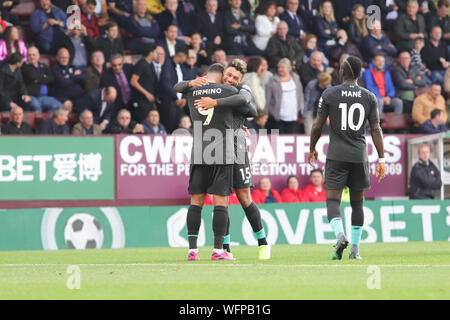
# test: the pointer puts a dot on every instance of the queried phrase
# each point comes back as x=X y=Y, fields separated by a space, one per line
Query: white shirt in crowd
x=264 y=27
x=288 y=109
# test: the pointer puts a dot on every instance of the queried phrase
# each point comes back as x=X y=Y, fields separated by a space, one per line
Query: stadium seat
x=47 y=60
x=24 y=8
x=395 y=121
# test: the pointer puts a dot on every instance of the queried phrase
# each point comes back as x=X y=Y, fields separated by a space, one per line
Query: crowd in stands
x=113 y=70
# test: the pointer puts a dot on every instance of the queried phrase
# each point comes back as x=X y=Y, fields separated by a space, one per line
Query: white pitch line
x=224 y=265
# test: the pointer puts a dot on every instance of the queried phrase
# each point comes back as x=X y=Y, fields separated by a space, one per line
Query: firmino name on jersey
x=352 y=94
x=201 y=92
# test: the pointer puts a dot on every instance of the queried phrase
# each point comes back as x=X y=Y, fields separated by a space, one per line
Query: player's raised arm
x=235 y=101
x=183 y=86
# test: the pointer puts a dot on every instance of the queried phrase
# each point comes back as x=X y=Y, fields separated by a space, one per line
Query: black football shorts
x=339 y=174
x=242 y=175
x=212 y=179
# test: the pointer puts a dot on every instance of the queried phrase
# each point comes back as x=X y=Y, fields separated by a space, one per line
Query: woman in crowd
x=256 y=78
x=12 y=43
x=309 y=44
x=357 y=27
x=266 y=25
x=292 y=193
x=326 y=27
x=284 y=98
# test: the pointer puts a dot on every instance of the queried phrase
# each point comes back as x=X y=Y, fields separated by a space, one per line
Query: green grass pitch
x=412 y=270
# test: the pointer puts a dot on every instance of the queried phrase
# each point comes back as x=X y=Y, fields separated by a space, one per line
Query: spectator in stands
x=144 y=83
x=260 y=122
x=101 y=103
x=377 y=43
x=16 y=125
x=308 y=10
x=309 y=44
x=89 y=19
x=190 y=68
x=436 y=56
x=212 y=26
x=292 y=193
x=256 y=78
x=176 y=14
x=281 y=45
x=389 y=12
x=313 y=92
x=172 y=103
x=124 y=125
x=37 y=78
x=120 y=10
x=436 y=123
x=103 y=20
x=219 y=56
x=12 y=42
x=79 y=45
x=118 y=76
x=68 y=79
x=110 y=43
x=152 y=125
x=326 y=27
x=440 y=18
x=297 y=27
x=425 y=177
x=238 y=29
x=94 y=71
x=357 y=26
x=170 y=40
x=6 y=7
x=309 y=71
x=57 y=124
x=379 y=81
x=343 y=10
x=199 y=49
x=407 y=80
x=426 y=103
x=409 y=26
x=13 y=91
x=314 y=192
x=48 y=23
x=342 y=46
x=265 y=193
x=159 y=62
x=142 y=27
x=284 y=99
x=416 y=60
x=185 y=123
x=266 y=26
x=86 y=125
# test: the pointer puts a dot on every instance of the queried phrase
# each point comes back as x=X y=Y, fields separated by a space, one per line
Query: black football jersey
x=348 y=106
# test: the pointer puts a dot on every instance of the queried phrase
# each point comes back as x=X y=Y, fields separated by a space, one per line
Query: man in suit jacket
x=170 y=41
x=297 y=27
x=238 y=30
x=101 y=103
x=172 y=103
x=118 y=76
x=211 y=25
x=176 y=14
x=86 y=126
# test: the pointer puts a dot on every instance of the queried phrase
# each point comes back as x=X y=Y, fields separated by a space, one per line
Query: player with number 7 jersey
x=348 y=107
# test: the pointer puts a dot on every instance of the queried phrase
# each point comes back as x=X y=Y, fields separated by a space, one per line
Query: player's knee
x=244 y=196
x=198 y=200
x=220 y=200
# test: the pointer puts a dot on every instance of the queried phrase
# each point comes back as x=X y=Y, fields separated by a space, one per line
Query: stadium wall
x=144 y=226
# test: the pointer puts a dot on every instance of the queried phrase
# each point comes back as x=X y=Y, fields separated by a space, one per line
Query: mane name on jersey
x=202 y=92
x=351 y=94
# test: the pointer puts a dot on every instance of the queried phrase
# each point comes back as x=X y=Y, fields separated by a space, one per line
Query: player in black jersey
x=212 y=161
x=348 y=106
x=242 y=180
x=242 y=176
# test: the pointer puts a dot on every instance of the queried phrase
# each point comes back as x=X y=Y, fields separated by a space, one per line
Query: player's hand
x=312 y=158
x=205 y=103
x=198 y=82
x=380 y=172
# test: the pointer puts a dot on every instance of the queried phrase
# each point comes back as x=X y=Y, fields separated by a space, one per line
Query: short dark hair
x=216 y=68
x=91 y=2
x=111 y=24
x=289 y=178
x=148 y=47
x=352 y=67
x=316 y=170
x=253 y=64
x=14 y=58
x=436 y=84
x=443 y=3
x=181 y=48
x=435 y=113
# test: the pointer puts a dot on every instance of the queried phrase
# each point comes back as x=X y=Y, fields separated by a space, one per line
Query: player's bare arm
x=183 y=86
x=242 y=98
x=316 y=132
x=377 y=137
